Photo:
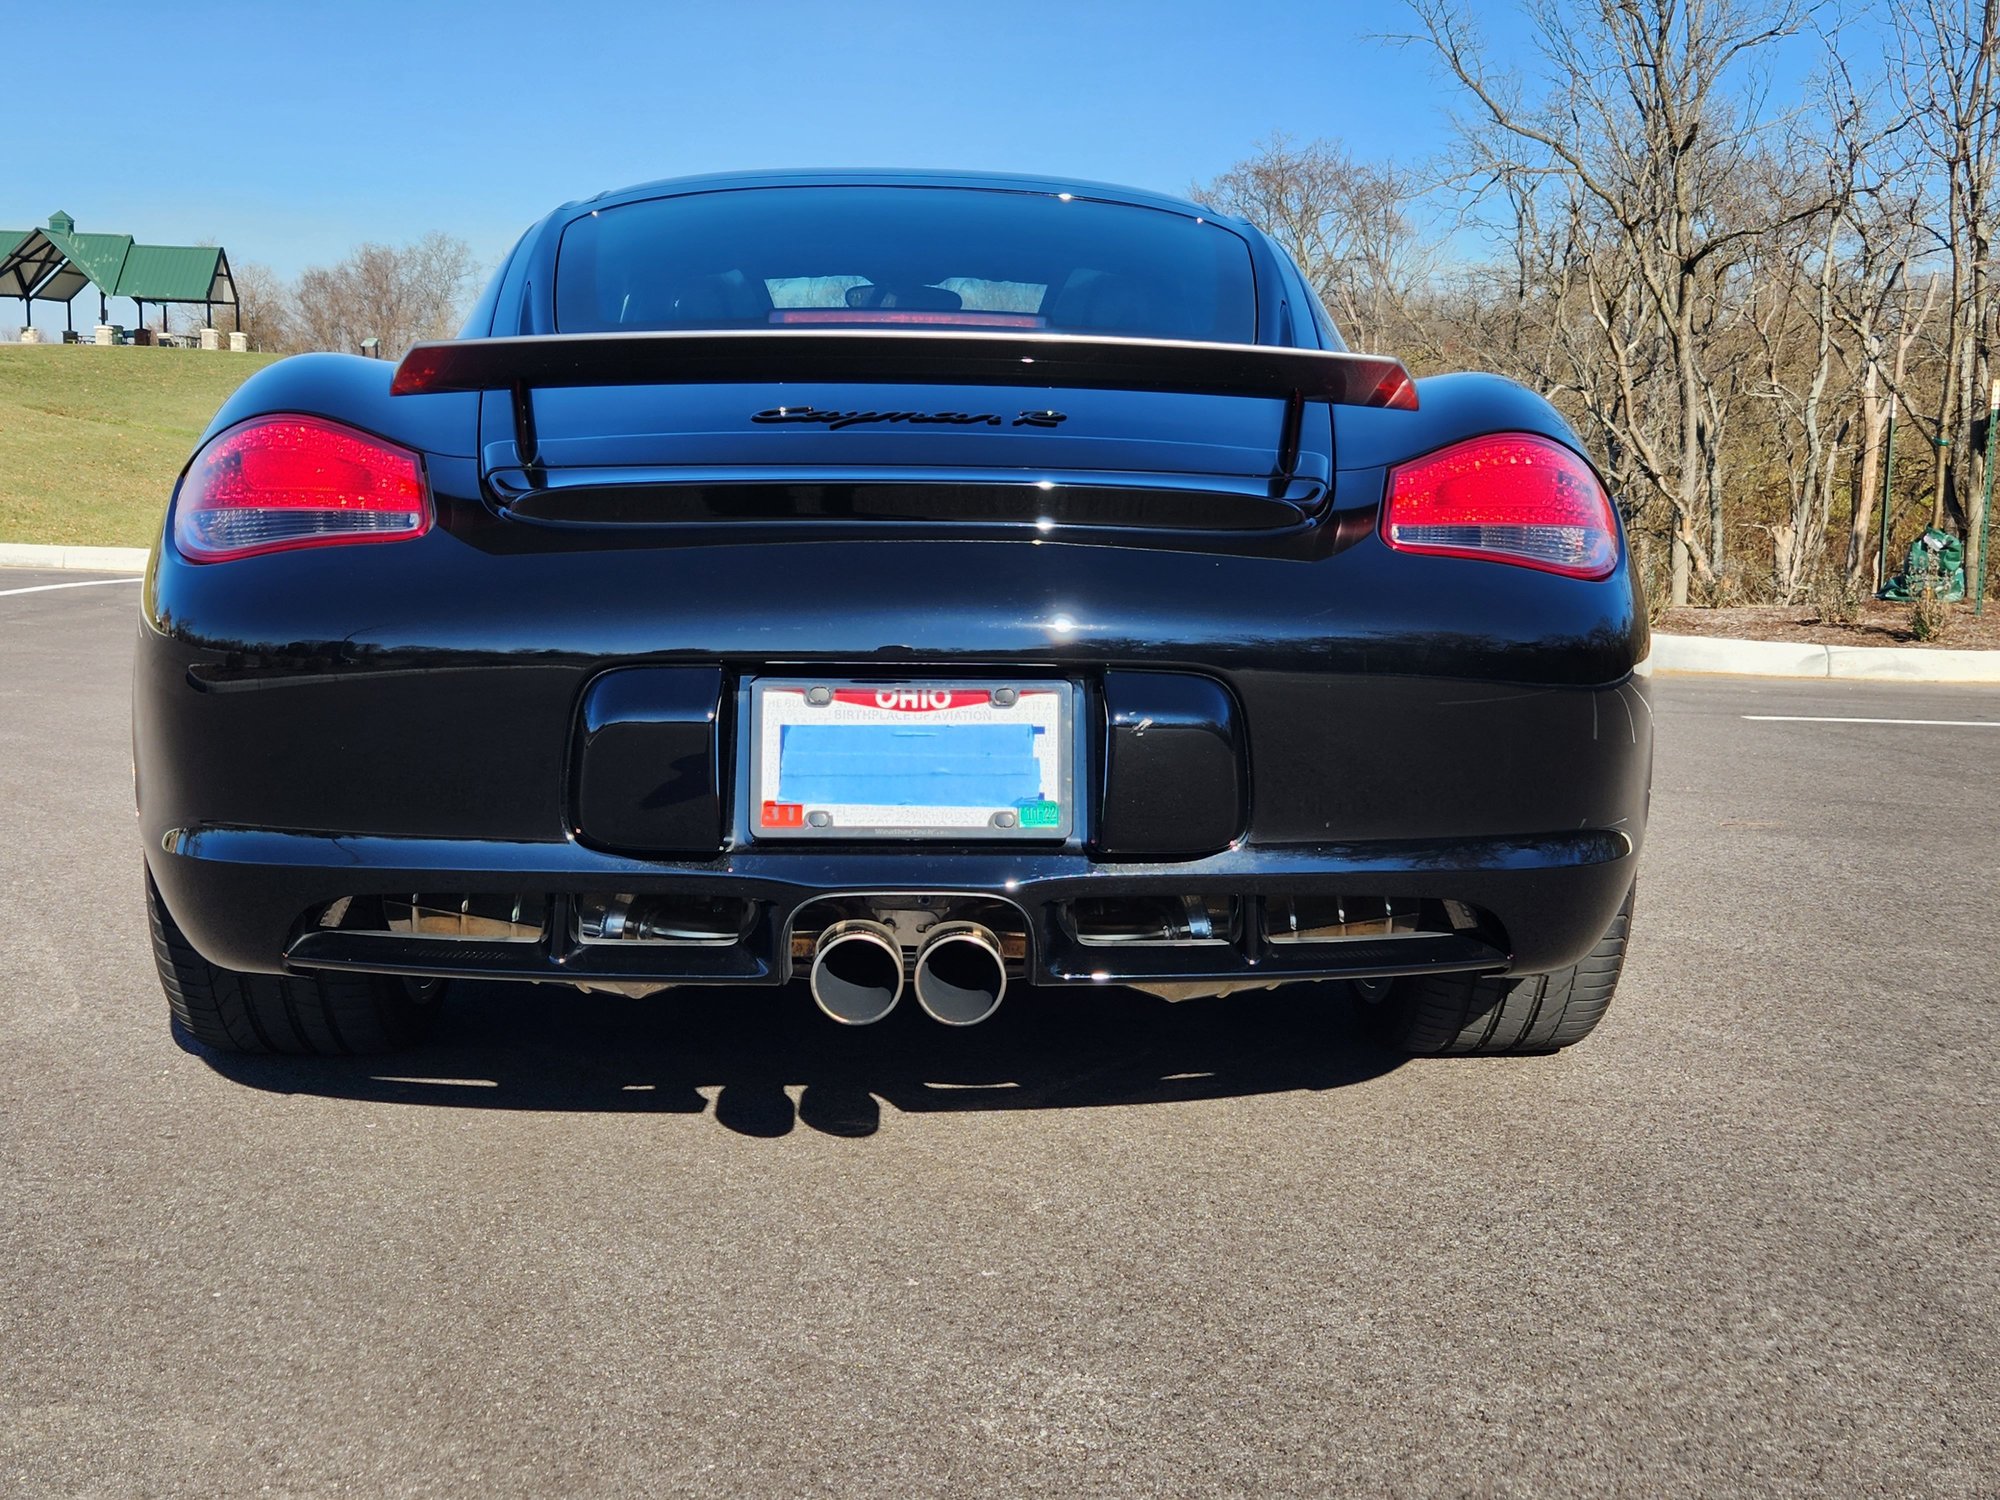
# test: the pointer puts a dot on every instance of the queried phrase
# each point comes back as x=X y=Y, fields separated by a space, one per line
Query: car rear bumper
x=1347 y=721
x=255 y=901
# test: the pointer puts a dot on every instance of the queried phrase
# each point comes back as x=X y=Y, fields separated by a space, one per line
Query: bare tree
x=399 y=295
x=1652 y=125
x=1947 y=80
x=1823 y=281
x=1729 y=304
x=1884 y=317
x=264 y=308
x=1347 y=225
x=1801 y=374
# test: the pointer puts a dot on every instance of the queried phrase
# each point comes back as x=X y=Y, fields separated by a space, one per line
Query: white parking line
x=1841 y=719
x=87 y=583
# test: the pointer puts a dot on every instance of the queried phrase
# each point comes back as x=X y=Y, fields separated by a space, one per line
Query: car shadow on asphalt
x=528 y=1047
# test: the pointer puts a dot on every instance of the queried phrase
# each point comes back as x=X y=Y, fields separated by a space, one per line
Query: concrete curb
x=89 y=559
x=1699 y=654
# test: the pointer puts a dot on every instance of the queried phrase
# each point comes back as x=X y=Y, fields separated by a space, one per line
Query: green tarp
x=1936 y=563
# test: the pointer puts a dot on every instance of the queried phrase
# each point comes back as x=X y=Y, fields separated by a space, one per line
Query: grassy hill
x=91 y=439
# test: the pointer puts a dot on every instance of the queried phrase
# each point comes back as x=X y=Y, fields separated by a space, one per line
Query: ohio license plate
x=839 y=759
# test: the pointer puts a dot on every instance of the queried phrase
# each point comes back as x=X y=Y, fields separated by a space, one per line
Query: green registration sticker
x=1040 y=815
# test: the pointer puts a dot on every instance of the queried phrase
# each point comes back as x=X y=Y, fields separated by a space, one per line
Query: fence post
x=1986 y=503
x=1888 y=473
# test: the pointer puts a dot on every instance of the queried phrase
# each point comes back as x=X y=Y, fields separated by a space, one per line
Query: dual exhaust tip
x=857 y=973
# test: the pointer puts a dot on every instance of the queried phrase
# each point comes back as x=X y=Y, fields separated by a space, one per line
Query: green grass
x=91 y=439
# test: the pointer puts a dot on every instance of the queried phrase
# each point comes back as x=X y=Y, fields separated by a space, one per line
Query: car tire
x=323 y=1015
x=1462 y=1014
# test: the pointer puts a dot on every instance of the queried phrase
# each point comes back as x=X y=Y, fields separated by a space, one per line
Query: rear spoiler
x=521 y=365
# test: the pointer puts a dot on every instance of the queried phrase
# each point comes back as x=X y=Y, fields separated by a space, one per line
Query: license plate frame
x=1047 y=704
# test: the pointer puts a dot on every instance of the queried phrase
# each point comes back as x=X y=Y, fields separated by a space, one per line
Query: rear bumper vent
x=626 y=918
x=1338 y=919
x=1208 y=920
x=489 y=918
x=1156 y=921
x=619 y=917
x=639 y=941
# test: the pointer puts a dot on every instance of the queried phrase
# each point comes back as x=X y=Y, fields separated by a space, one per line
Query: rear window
x=903 y=256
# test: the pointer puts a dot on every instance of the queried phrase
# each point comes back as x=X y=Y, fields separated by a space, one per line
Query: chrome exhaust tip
x=961 y=976
x=857 y=972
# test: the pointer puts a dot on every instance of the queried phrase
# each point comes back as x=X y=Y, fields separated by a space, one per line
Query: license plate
x=839 y=759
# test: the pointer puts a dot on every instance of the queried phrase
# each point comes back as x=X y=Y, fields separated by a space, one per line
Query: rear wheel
x=331 y=1015
x=1466 y=1013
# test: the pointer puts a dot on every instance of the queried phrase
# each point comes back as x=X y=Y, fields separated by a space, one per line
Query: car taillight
x=282 y=482
x=1511 y=498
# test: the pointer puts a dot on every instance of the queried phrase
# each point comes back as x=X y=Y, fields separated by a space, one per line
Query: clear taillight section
x=1511 y=498
x=281 y=482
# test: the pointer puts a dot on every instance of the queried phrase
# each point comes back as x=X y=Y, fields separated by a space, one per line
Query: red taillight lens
x=1511 y=498
x=282 y=482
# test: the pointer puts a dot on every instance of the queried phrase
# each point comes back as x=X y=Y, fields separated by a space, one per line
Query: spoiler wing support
x=891 y=356
x=526 y=443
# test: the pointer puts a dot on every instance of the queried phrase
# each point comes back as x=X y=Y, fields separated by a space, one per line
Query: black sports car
x=905 y=582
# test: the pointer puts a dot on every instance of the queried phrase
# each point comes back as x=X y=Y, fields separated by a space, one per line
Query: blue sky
x=293 y=129
x=300 y=128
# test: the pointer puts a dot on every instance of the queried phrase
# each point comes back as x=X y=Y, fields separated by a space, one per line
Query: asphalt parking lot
x=1740 y=1242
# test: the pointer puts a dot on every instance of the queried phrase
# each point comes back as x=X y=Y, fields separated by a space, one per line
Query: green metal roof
x=10 y=271
x=171 y=273
x=23 y=267
x=57 y=263
x=96 y=258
